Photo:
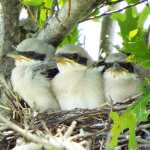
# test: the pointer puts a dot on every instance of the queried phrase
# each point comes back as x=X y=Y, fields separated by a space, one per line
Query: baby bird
x=76 y=85
x=120 y=79
x=31 y=78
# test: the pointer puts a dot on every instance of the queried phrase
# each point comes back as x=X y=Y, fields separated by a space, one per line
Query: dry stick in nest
x=58 y=143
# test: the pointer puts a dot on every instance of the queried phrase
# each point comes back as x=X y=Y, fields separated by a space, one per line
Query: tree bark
x=11 y=11
x=106 y=35
x=11 y=35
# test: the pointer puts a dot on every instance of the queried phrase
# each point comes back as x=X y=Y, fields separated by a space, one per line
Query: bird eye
x=74 y=56
x=107 y=65
x=32 y=53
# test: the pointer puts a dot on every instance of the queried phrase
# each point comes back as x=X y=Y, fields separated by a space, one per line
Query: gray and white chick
x=120 y=79
x=77 y=85
x=31 y=78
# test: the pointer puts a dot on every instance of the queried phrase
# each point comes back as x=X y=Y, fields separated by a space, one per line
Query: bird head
x=23 y=57
x=116 y=66
x=32 y=50
x=72 y=57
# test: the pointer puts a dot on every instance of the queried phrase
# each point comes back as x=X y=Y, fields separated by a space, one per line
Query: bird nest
x=78 y=129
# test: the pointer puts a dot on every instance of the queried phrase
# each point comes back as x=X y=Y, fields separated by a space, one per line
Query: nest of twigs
x=78 y=129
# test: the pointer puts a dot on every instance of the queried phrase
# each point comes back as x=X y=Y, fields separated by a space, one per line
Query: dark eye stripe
x=32 y=54
x=75 y=57
x=126 y=65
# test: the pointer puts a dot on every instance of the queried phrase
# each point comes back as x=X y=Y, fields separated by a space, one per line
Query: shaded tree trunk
x=106 y=35
x=11 y=35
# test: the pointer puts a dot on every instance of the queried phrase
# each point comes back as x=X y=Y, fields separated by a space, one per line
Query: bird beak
x=116 y=66
x=62 y=60
x=17 y=56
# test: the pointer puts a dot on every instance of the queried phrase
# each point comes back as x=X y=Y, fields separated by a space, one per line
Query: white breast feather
x=34 y=89
x=121 y=86
x=79 y=89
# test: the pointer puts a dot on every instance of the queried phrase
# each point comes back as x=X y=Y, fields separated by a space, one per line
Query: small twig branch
x=69 y=7
x=55 y=2
x=144 y=126
x=70 y=129
x=25 y=133
x=114 y=11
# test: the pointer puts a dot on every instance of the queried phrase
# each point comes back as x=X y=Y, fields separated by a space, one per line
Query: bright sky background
x=90 y=34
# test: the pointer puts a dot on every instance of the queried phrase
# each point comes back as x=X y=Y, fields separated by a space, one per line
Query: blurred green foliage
x=132 y=31
x=72 y=38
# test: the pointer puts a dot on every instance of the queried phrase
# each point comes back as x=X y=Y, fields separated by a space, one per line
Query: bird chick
x=31 y=78
x=76 y=85
x=120 y=79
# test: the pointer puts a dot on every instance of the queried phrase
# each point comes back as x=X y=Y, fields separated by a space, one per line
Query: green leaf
x=143 y=16
x=139 y=49
x=33 y=2
x=134 y=114
x=125 y=121
x=132 y=34
x=128 y=23
x=139 y=108
x=43 y=15
x=72 y=37
x=146 y=90
x=132 y=1
x=61 y=2
x=48 y=3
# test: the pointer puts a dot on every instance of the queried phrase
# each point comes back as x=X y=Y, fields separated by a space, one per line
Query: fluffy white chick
x=120 y=79
x=31 y=78
x=77 y=85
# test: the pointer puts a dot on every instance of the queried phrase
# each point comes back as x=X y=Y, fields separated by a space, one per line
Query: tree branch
x=115 y=11
x=59 y=26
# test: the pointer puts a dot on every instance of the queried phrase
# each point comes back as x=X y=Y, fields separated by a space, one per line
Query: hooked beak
x=62 y=60
x=17 y=56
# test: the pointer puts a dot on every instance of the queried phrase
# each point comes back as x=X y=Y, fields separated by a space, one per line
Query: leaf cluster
x=132 y=31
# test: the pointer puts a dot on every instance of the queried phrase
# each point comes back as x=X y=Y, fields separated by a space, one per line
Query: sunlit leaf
x=132 y=34
x=61 y=2
x=127 y=22
x=132 y=1
x=125 y=121
x=134 y=114
x=43 y=15
x=48 y=3
x=33 y=2
x=131 y=58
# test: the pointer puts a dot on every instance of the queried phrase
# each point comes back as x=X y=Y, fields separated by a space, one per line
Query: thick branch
x=11 y=35
x=11 y=11
x=59 y=26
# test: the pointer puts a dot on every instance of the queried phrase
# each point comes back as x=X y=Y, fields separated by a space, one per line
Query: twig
x=114 y=11
x=144 y=126
x=25 y=133
x=69 y=7
x=131 y=99
x=70 y=129
x=55 y=2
